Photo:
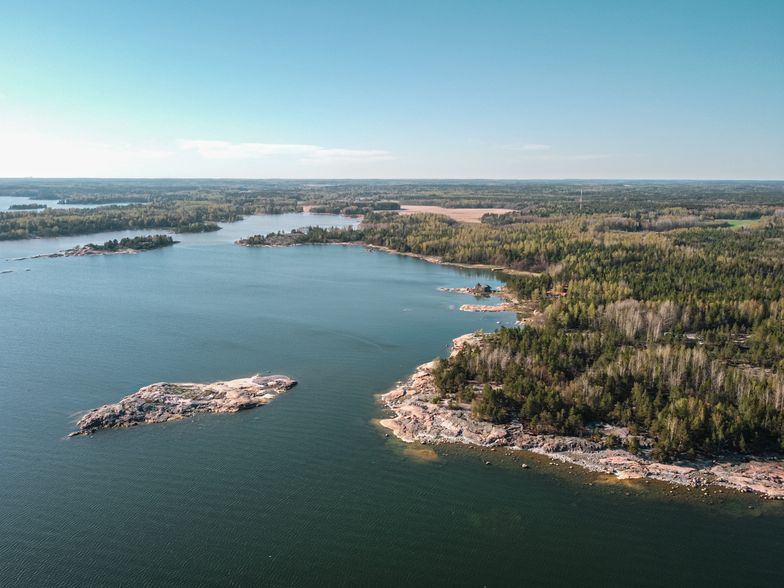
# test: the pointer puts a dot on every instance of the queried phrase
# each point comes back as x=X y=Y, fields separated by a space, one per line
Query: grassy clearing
x=739 y=223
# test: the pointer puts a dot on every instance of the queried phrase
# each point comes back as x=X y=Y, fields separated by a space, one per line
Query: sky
x=515 y=89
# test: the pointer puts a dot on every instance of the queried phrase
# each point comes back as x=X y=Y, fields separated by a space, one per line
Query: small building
x=557 y=291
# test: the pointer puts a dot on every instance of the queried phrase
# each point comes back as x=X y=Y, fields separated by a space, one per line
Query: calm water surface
x=307 y=490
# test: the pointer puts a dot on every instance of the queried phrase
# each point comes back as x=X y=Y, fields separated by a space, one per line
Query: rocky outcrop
x=480 y=291
x=503 y=307
x=509 y=304
x=421 y=416
x=84 y=250
x=162 y=402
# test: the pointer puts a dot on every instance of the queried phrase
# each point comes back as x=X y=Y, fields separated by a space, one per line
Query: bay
x=306 y=490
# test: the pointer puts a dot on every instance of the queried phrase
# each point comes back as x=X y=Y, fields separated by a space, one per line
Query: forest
x=671 y=325
x=181 y=216
x=140 y=243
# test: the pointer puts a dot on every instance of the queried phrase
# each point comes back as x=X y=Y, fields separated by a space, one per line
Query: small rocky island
x=480 y=290
x=126 y=245
x=162 y=402
x=509 y=304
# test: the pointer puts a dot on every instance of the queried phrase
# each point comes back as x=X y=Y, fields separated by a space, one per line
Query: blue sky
x=425 y=89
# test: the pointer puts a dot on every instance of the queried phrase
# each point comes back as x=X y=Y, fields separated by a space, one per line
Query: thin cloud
x=578 y=157
x=334 y=155
x=528 y=147
x=210 y=149
x=25 y=153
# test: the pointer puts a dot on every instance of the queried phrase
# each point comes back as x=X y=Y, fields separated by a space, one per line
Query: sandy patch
x=462 y=215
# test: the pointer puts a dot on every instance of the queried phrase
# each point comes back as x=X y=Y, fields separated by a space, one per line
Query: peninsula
x=162 y=402
x=423 y=414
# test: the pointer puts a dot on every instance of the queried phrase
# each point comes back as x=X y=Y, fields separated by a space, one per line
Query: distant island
x=33 y=206
x=127 y=245
x=304 y=236
x=162 y=402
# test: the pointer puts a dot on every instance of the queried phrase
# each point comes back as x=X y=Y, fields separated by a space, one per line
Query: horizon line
x=392 y=179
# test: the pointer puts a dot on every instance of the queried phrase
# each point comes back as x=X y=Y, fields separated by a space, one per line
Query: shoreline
x=509 y=303
x=417 y=419
x=439 y=261
x=428 y=258
x=81 y=251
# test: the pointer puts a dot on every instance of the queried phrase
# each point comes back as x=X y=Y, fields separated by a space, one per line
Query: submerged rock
x=162 y=402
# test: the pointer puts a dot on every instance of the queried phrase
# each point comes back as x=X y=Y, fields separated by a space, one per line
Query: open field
x=462 y=215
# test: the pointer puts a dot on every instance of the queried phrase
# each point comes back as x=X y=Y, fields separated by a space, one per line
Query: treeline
x=180 y=212
x=354 y=208
x=738 y=200
x=141 y=243
x=26 y=206
x=181 y=217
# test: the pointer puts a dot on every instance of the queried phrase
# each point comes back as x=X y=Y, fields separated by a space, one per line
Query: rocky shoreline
x=79 y=251
x=525 y=310
x=83 y=251
x=439 y=261
x=124 y=246
x=420 y=417
x=163 y=402
x=285 y=240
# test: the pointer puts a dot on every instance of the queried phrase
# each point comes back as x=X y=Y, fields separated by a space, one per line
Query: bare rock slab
x=164 y=401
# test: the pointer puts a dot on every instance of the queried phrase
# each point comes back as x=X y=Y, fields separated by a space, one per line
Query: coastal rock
x=509 y=304
x=503 y=307
x=161 y=402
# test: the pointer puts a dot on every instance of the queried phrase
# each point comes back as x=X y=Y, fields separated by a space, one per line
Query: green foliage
x=141 y=243
x=182 y=216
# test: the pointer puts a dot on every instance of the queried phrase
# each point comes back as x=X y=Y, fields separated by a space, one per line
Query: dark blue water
x=306 y=490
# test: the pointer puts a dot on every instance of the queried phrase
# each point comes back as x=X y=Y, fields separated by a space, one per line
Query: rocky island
x=124 y=246
x=162 y=402
x=480 y=290
x=422 y=415
x=509 y=303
